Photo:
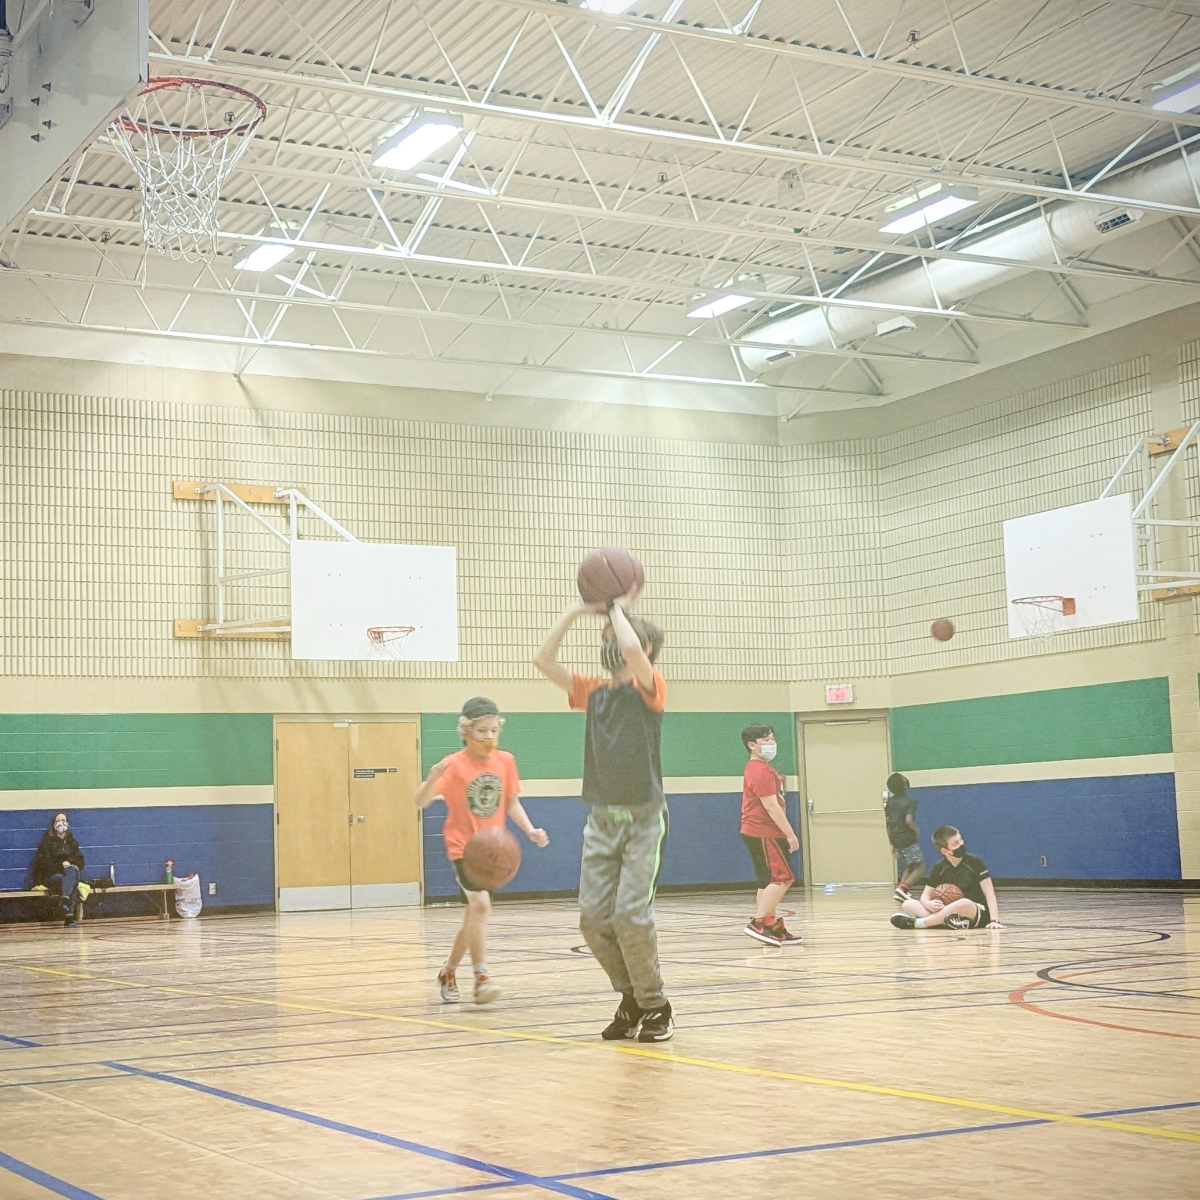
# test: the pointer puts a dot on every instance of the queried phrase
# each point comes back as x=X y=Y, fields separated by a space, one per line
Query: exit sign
x=839 y=693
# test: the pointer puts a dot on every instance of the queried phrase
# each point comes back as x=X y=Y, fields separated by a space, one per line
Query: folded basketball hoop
x=1040 y=615
x=387 y=641
x=183 y=138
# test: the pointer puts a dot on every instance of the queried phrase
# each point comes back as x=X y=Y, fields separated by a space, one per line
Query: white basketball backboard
x=342 y=589
x=73 y=66
x=1085 y=551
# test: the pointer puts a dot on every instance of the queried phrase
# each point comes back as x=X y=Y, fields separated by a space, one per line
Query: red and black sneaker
x=783 y=937
x=901 y=894
x=765 y=931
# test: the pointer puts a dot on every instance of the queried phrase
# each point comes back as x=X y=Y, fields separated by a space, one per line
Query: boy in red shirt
x=768 y=835
x=481 y=789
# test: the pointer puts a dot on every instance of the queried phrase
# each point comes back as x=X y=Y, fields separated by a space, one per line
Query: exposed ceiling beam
x=447 y=360
x=834 y=160
x=622 y=283
x=428 y=314
x=849 y=60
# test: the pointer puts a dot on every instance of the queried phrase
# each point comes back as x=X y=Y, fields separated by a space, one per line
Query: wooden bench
x=160 y=892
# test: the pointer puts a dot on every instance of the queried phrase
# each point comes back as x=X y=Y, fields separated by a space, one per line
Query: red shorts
x=772 y=860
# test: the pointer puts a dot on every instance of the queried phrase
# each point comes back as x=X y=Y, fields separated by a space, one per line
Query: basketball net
x=1040 y=615
x=387 y=641
x=183 y=138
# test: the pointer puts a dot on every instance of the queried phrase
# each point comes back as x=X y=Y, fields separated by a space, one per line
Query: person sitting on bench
x=58 y=865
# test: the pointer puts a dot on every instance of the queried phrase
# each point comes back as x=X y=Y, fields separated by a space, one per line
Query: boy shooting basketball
x=481 y=789
x=768 y=835
x=627 y=825
x=899 y=809
x=978 y=907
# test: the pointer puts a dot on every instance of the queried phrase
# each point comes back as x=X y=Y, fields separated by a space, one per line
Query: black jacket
x=52 y=852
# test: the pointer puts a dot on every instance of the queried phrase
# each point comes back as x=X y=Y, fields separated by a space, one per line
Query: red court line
x=1018 y=998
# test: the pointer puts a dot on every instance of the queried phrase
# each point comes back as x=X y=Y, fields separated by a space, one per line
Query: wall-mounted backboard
x=340 y=590
x=1085 y=551
x=73 y=65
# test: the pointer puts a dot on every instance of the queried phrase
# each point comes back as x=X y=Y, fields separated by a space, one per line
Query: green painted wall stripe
x=550 y=745
x=149 y=750
x=1109 y=720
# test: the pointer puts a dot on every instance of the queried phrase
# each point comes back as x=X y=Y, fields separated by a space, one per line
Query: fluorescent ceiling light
x=454 y=183
x=933 y=206
x=1178 y=94
x=424 y=135
x=720 y=306
x=265 y=256
x=608 y=6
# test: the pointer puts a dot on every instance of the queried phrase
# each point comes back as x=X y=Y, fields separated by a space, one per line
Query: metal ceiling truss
x=741 y=38
x=460 y=100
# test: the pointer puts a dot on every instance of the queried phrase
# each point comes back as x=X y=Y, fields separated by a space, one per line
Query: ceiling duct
x=1061 y=232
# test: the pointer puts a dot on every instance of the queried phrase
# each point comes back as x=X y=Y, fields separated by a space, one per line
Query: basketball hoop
x=1039 y=615
x=387 y=641
x=183 y=138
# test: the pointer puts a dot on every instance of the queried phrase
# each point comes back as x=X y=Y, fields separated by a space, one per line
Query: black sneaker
x=954 y=921
x=657 y=1025
x=904 y=921
x=69 y=922
x=625 y=1020
x=762 y=931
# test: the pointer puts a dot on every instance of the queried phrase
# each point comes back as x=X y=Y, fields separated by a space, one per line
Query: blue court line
x=921 y=1135
x=510 y=1177
x=52 y=1184
x=15 y=1041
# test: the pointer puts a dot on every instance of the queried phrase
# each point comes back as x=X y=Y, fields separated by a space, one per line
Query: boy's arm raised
x=547 y=657
x=630 y=643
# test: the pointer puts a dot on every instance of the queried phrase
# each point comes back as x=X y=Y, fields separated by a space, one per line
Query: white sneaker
x=448 y=986
x=485 y=990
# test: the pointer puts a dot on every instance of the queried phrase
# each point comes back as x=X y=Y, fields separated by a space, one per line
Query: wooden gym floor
x=264 y=1058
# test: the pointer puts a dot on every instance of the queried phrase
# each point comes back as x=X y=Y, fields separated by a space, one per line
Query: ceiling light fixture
x=1178 y=94
x=929 y=206
x=423 y=134
x=265 y=256
x=609 y=6
x=720 y=306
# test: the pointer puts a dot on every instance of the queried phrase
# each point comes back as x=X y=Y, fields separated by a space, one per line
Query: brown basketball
x=491 y=859
x=947 y=893
x=942 y=629
x=606 y=574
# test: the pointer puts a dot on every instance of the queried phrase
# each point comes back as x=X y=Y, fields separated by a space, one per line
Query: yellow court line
x=709 y=1064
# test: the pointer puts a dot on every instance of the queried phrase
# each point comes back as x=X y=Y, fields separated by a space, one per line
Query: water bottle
x=170 y=871
x=831 y=889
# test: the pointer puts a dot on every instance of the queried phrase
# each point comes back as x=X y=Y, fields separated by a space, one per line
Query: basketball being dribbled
x=947 y=893
x=942 y=629
x=491 y=859
x=606 y=574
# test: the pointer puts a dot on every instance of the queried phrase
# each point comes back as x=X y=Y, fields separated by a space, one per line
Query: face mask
x=768 y=751
x=60 y=827
x=611 y=658
x=960 y=851
x=485 y=747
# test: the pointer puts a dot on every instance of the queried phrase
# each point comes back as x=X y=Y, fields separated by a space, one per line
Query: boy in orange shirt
x=481 y=789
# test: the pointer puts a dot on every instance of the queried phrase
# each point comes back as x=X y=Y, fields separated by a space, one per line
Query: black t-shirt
x=622 y=758
x=895 y=811
x=966 y=876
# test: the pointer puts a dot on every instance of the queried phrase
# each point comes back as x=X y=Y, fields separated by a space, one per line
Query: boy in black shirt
x=627 y=826
x=978 y=906
x=899 y=812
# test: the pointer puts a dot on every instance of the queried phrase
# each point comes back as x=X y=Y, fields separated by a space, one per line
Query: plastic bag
x=187 y=896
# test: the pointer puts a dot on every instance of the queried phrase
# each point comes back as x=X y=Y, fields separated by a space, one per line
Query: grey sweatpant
x=622 y=854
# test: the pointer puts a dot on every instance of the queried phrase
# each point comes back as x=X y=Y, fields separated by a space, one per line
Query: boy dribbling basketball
x=482 y=790
x=768 y=835
x=627 y=825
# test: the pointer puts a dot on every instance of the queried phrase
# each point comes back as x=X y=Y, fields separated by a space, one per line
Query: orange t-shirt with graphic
x=477 y=792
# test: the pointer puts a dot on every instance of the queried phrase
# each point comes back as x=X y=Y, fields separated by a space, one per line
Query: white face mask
x=768 y=750
x=60 y=827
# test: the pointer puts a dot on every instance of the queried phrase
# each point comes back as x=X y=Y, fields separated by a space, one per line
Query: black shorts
x=772 y=860
x=464 y=880
x=981 y=918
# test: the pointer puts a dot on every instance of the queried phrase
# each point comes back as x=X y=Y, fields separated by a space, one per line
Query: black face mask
x=611 y=658
x=960 y=852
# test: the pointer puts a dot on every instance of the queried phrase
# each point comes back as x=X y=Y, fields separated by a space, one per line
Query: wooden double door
x=347 y=833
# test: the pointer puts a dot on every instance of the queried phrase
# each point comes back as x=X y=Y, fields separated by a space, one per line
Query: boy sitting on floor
x=978 y=906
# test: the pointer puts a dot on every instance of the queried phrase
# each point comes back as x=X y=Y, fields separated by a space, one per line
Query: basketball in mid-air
x=606 y=574
x=947 y=893
x=491 y=858
x=942 y=629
